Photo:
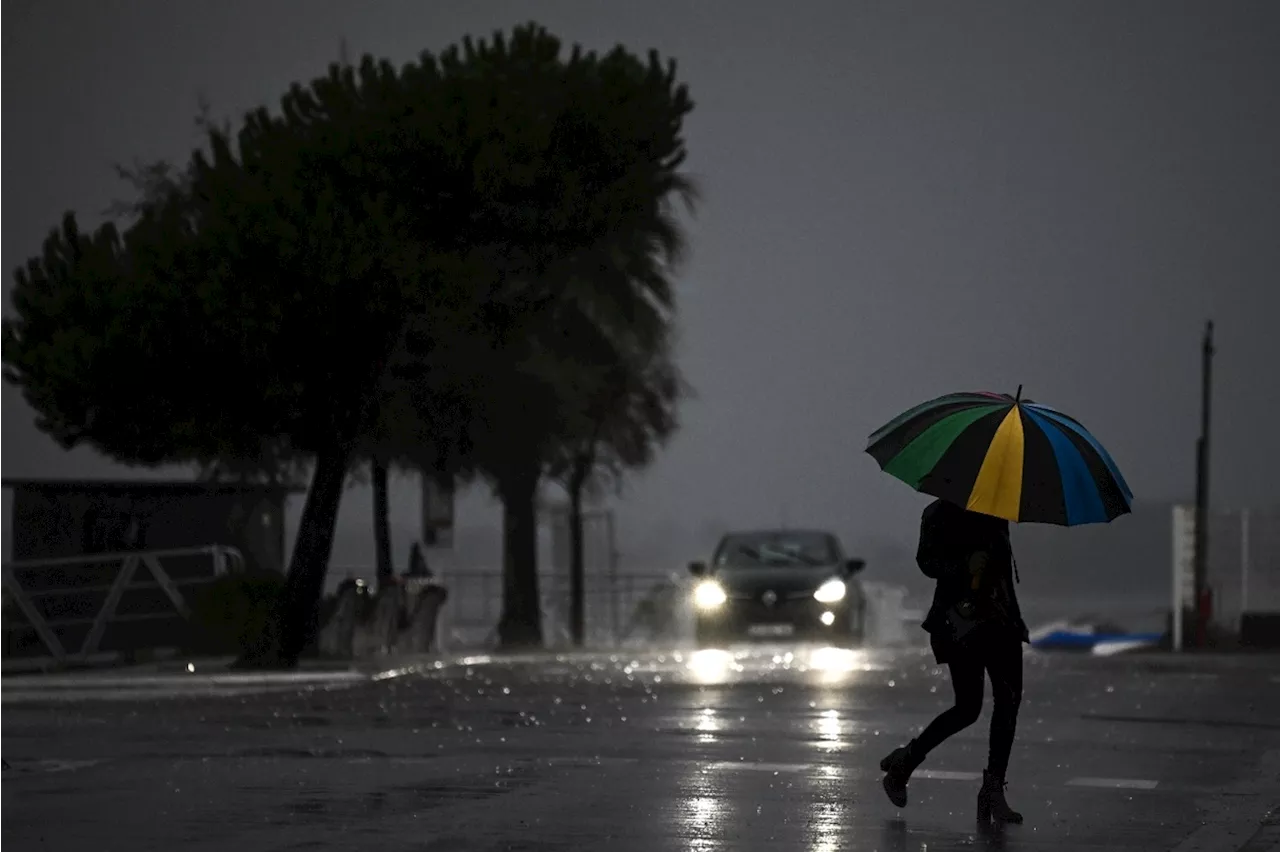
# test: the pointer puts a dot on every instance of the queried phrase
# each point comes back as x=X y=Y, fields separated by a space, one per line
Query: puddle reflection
x=830 y=728
x=704 y=815
x=702 y=812
x=827 y=821
x=707 y=725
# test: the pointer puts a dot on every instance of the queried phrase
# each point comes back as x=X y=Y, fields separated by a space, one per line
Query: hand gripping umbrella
x=1005 y=456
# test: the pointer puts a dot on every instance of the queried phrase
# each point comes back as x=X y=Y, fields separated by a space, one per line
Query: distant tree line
x=461 y=266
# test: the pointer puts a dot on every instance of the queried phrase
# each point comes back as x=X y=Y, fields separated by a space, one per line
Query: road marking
x=1114 y=783
x=945 y=775
x=932 y=774
x=763 y=767
x=42 y=767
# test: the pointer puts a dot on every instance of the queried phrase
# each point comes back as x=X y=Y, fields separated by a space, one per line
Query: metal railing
x=613 y=607
x=617 y=608
x=69 y=603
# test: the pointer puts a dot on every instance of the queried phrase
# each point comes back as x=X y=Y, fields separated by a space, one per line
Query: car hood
x=781 y=580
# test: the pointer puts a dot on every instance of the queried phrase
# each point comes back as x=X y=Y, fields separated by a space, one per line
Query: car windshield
x=769 y=550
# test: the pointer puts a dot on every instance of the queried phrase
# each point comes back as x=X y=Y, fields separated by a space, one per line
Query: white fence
x=1242 y=564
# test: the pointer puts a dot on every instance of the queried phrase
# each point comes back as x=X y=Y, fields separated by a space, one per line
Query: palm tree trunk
x=520 y=625
x=577 y=557
x=382 y=525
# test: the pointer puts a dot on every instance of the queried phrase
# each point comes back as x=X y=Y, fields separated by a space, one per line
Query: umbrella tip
x=1017 y=397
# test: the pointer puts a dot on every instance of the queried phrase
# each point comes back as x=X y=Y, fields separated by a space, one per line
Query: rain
x=709 y=426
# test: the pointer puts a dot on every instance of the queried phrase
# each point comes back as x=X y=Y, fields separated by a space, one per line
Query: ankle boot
x=898 y=767
x=992 y=805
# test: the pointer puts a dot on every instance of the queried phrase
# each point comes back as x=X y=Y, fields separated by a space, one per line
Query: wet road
x=770 y=748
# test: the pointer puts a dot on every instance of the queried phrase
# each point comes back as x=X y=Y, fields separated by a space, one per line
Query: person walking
x=976 y=629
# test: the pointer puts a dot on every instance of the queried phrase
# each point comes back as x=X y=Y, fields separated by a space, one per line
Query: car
x=778 y=584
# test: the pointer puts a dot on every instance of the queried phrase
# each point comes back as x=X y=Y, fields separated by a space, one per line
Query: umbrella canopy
x=1005 y=456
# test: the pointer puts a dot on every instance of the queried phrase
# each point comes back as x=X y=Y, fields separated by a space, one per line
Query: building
x=75 y=591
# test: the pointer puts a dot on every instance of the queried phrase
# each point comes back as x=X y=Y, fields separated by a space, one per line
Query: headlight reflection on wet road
x=707 y=725
x=830 y=728
x=832 y=666
x=711 y=665
x=827 y=820
x=707 y=819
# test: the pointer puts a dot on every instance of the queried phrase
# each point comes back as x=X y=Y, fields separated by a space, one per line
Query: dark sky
x=900 y=200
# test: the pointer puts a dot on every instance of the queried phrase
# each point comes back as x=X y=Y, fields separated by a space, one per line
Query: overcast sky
x=900 y=200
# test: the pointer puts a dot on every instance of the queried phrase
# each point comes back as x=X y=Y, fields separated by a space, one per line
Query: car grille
x=757 y=608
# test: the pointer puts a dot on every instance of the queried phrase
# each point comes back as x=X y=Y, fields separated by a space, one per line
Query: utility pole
x=1203 y=600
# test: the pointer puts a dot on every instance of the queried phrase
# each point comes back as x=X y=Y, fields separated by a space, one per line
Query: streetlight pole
x=1201 y=602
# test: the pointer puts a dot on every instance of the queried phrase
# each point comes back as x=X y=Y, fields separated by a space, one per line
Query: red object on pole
x=1204 y=613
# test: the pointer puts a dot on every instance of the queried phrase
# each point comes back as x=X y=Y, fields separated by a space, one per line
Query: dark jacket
x=949 y=536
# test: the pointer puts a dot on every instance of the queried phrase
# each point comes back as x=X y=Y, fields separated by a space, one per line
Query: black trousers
x=998 y=656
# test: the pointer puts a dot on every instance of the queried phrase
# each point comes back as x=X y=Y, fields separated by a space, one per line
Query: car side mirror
x=853 y=566
x=698 y=569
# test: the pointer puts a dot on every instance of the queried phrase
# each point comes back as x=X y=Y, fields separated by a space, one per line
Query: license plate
x=771 y=630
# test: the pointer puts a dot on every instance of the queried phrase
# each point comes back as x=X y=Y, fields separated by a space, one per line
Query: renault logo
x=770 y=598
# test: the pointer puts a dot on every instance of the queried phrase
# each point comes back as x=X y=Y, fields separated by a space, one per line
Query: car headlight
x=708 y=595
x=830 y=592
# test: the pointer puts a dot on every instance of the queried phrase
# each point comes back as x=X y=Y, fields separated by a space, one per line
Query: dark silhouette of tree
x=276 y=286
x=612 y=124
x=448 y=204
x=626 y=411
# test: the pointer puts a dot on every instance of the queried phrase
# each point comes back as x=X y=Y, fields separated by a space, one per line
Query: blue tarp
x=1085 y=641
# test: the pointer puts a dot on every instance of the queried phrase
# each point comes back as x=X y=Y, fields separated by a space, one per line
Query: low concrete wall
x=1260 y=630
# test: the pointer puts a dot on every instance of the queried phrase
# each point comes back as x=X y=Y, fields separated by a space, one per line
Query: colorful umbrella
x=1005 y=456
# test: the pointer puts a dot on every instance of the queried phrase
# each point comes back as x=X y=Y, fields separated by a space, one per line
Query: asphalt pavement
x=761 y=748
